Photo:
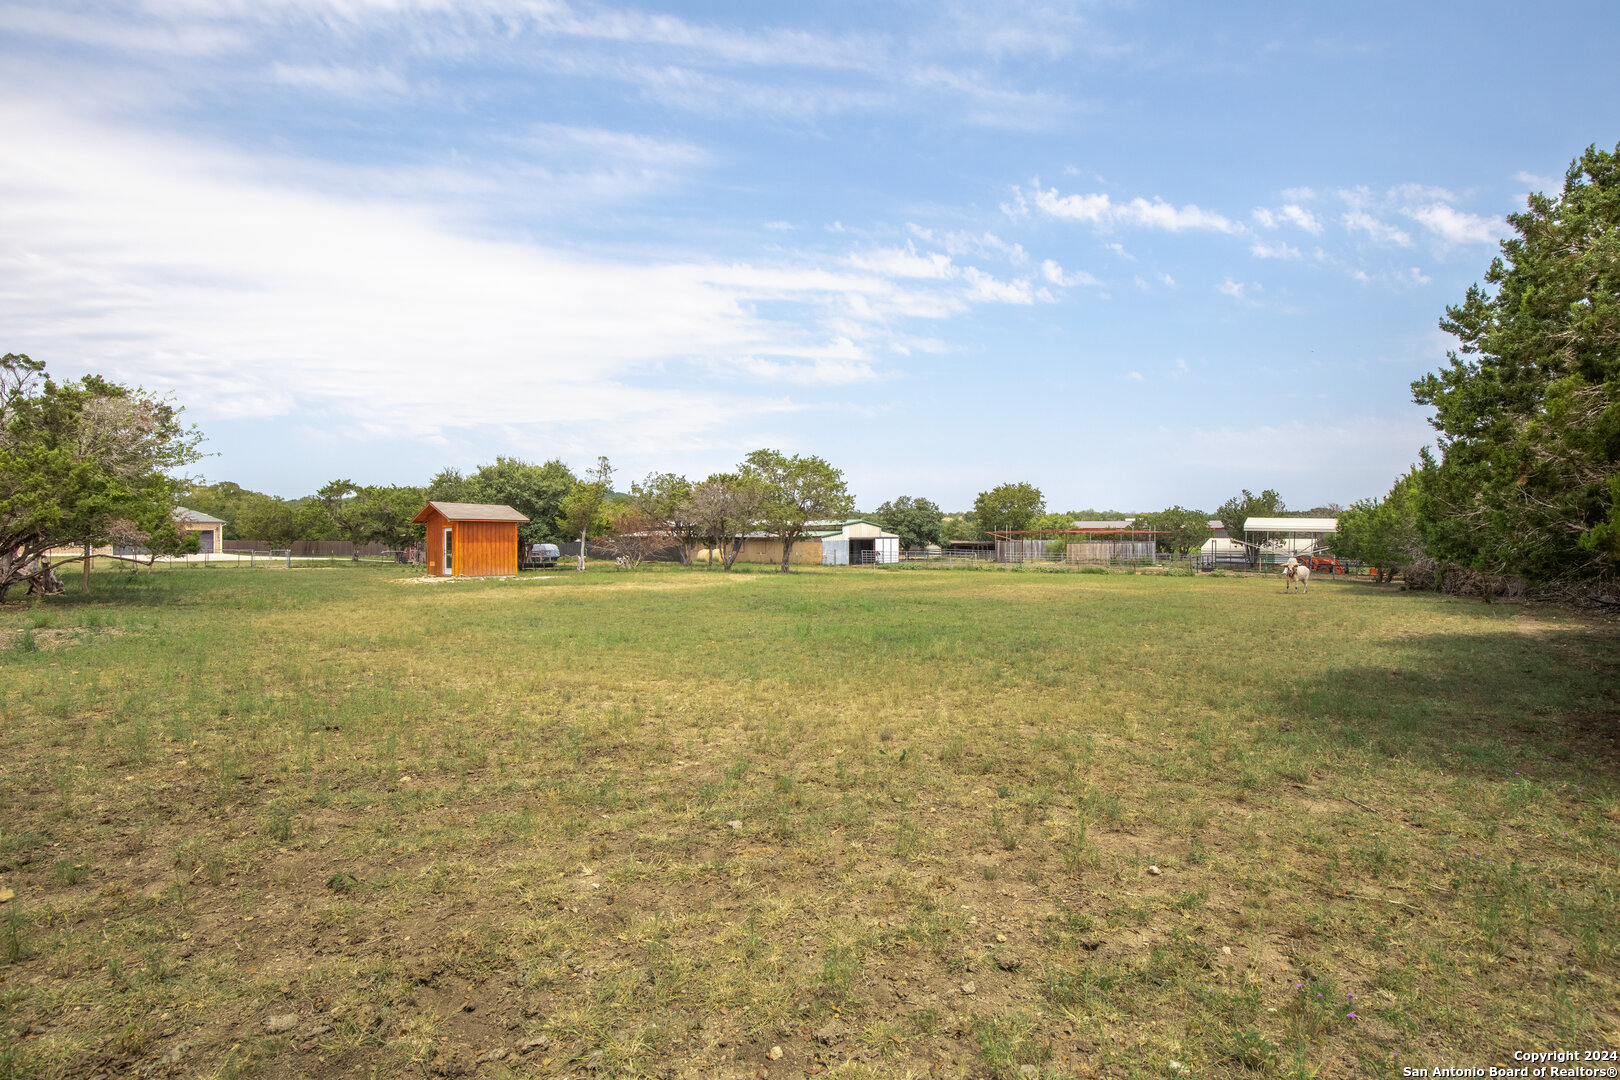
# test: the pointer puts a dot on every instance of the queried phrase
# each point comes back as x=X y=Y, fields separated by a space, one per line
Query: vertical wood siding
x=478 y=548
x=485 y=548
x=433 y=542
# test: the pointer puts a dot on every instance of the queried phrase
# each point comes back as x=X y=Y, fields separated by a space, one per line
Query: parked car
x=540 y=556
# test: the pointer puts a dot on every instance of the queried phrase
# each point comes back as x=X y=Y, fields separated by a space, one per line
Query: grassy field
x=856 y=823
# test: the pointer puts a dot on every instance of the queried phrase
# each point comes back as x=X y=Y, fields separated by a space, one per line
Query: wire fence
x=265 y=559
x=1125 y=556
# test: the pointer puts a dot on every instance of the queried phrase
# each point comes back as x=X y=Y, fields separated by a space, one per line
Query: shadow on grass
x=1482 y=702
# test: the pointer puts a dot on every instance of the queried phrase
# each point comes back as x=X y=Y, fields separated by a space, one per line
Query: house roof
x=192 y=517
x=1291 y=524
x=469 y=512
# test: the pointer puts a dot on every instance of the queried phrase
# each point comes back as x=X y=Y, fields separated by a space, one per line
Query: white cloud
x=1299 y=194
x=1168 y=280
x=168 y=263
x=1265 y=218
x=905 y=263
x=1360 y=220
x=983 y=286
x=1409 y=277
x=1100 y=209
x=1135 y=376
x=1262 y=250
x=1454 y=226
x=1539 y=183
x=341 y=80
x=1302 y=217
x=1053 y=273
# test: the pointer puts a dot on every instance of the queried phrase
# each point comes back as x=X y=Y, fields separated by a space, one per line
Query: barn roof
x=470 y=512
x=1291 y=524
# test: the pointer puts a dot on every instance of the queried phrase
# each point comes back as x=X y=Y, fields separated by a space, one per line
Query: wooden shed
x=470 y=539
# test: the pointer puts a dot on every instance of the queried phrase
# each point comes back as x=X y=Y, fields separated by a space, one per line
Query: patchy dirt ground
x=780 y=831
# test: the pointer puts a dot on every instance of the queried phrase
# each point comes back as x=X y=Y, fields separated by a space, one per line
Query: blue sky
x=1136 y=254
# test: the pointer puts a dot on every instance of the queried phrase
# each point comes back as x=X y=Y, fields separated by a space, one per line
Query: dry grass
x=657 y=824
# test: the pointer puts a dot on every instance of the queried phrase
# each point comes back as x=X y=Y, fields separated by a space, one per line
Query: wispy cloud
x=340 y=79
x=1101 y=209
x=187 y=267
x=1260 y=249
x=1382 y=232
x=1453 y=226
x=712 y=67
x=1054 y=274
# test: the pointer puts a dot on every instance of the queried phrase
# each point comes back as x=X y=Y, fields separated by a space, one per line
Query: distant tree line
x=90 y=461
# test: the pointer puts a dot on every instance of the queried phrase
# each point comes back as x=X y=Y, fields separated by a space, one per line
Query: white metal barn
x=855 y=542
x=1288 y=535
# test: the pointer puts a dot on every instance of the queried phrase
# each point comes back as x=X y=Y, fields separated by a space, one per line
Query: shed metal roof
x=1291 y=524
x=192 y=517
x=470 y=512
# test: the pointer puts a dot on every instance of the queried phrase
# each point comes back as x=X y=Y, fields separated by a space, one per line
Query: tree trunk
x=787 y=551
x=582 y=533
x=87 y=568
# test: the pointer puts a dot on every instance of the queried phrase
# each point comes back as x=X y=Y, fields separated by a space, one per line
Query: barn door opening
x=449 y=549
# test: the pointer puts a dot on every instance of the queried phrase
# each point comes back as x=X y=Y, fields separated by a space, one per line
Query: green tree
x=1179 y=530
x=1240 y=508
x=384 y=514
x=223 y=500
x=535 y=491
x=340 y=499
x=960 y=527
x=1009 y=507
x=724 y=509
x=797 y=491
x=83 y=461
x=1383 y=532
x=917 y=521
x=264 y=517
x=662 y=501
x=582 y=508
x=1528 y=406
x=449 y=484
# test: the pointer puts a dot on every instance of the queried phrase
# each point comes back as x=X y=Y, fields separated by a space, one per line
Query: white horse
x=1296 y=573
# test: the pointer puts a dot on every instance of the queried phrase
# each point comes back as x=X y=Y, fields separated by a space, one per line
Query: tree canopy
x=917 y=521
x=1013 y=507
x=1528 y=406
x=582 y=510
x=1382 y=533
x=797 y=490
x=83 y=461
x=1240 y=508
x=1178 y=529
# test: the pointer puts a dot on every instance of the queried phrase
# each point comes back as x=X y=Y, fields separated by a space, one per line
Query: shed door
x=449 y=549
x=205 y=542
